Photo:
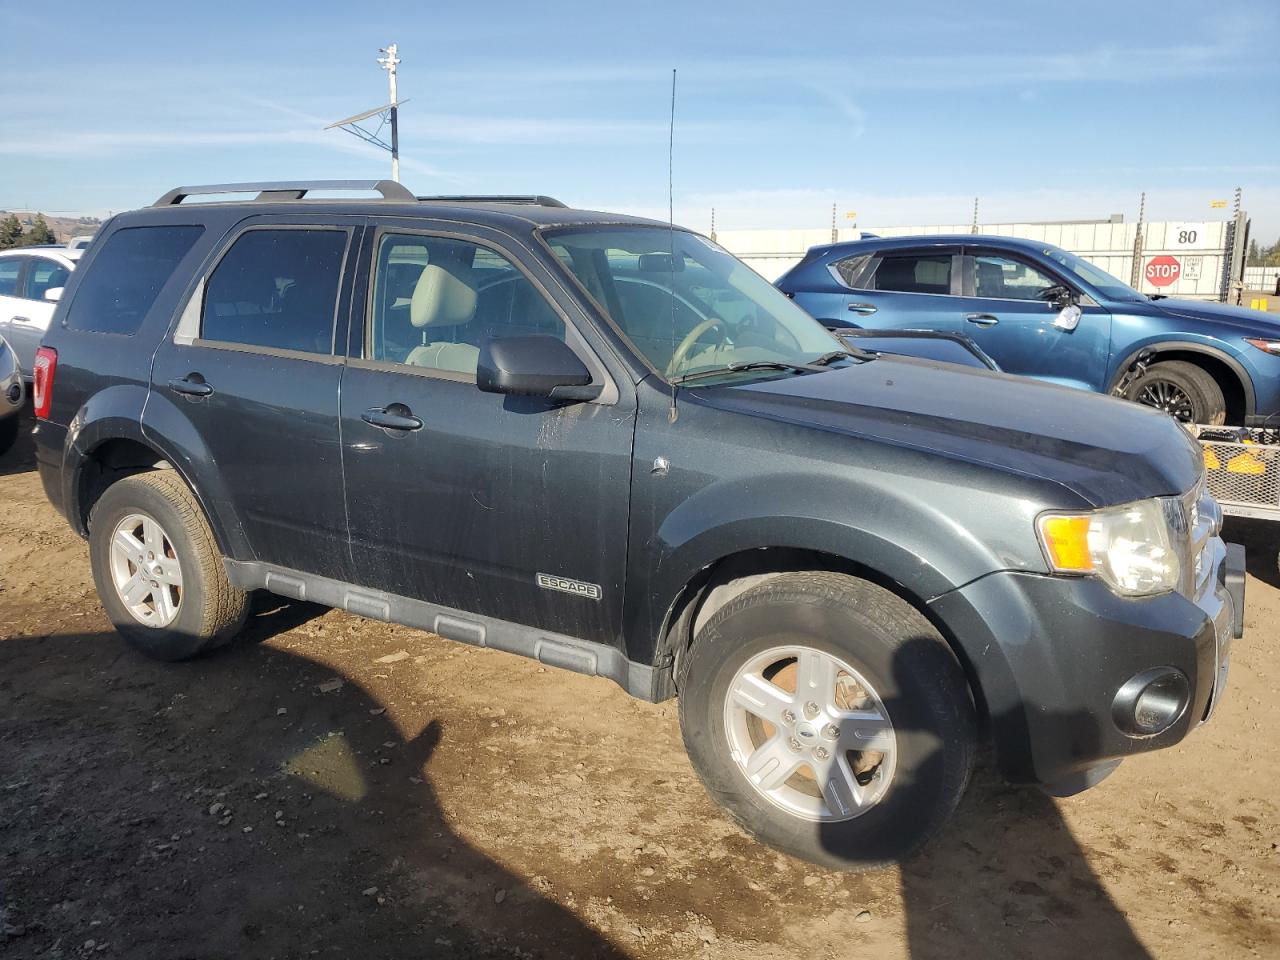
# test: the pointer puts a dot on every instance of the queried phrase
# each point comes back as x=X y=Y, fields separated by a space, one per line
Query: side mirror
x=536 y=366
x=1059 y=296
x=53 y=294
x=1068 y=318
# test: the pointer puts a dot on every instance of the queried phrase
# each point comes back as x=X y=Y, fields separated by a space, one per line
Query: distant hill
x=64 y=228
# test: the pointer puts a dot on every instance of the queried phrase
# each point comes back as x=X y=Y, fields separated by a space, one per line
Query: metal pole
x=389 y=63
x=1135 y=275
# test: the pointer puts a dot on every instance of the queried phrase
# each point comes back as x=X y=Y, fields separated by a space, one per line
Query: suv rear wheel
x=829 y=718
x=1183 y=390
x=158 y=570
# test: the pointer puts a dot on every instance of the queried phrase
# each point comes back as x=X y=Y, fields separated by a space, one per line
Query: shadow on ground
x=1023 y=888
x=21 y=457
x=236 y=806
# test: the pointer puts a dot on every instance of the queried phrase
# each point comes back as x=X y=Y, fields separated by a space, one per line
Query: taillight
x=42 y=391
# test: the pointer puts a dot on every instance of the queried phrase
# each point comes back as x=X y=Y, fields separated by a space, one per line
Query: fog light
x=1151 y=702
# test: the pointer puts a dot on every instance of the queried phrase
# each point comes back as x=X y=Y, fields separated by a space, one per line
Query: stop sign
x=1162 y=271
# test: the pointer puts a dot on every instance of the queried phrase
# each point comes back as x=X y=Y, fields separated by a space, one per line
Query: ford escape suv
x=604 y=443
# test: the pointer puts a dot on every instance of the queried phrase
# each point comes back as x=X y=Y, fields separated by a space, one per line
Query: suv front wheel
x=829 y=718
x=1182 y=390
x=158 y=570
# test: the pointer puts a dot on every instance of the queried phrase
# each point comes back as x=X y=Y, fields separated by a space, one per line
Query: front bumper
x=1050 y=654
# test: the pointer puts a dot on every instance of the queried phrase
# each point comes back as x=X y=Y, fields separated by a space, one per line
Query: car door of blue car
x=909 y=289
x=1005 y=313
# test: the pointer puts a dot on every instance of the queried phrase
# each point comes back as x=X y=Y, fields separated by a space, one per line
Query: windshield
x=687 y=305
x=1096 y=277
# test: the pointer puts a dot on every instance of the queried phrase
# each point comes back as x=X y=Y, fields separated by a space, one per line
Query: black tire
x=211 y=611
x=1183 y=390
x=918 y=679
x=9 y=427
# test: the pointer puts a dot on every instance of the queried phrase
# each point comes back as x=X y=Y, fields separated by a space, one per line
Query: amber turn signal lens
x=1067 y=541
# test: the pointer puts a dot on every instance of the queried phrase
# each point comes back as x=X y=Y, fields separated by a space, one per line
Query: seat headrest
x=441 y=298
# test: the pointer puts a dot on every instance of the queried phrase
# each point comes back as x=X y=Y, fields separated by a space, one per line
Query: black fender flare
x=1190 y=346
x=116 y=414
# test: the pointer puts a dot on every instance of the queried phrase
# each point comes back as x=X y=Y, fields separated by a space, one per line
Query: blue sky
x=903 y=112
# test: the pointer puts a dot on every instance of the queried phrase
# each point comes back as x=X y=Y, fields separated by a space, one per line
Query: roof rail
x=536 y=200
x=287 y=190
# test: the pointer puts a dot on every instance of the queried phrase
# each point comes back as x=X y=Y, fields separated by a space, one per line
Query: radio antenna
x=671 y=229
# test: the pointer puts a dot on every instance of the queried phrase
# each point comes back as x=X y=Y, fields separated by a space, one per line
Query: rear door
x=904 y=289
x=252 y=369
x=508 y=507
x=12 y=306
x=1006 y=317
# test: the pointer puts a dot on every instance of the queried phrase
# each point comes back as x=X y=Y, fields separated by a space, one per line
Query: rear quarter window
x=121 y=284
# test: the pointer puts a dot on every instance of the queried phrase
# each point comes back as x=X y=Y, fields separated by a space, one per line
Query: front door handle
x=862 y=309
x=982 y=319
x=394 y=416
x=21 y=319
x=192 y=385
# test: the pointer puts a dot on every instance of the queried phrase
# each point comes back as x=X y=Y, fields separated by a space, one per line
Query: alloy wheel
x=810 y=733
x=145 y=570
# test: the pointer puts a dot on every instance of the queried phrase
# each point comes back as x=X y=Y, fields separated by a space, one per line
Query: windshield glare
x=685 y=304
x=1096 y=277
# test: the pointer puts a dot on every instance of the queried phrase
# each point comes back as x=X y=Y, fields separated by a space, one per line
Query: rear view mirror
x=534 y=367
x=53 y=294
x=661 y=263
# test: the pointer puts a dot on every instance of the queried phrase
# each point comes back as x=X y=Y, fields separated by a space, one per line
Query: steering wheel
x=682 y=352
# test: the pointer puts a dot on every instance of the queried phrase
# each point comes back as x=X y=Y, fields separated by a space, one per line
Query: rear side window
x=277 y=289
x=851 y=269
x=915 y=273
x=126 y=276
x=45 y=275
x=10 y=267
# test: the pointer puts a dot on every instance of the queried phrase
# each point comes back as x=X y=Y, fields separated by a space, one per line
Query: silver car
x=31 y=281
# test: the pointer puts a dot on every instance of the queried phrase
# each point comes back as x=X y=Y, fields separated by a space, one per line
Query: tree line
x=12 y=234
x=1263 y=256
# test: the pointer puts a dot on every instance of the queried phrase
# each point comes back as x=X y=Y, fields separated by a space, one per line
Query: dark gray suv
x=605 y=443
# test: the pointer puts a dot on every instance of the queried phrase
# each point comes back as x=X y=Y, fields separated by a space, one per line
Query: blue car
x=1042 y=312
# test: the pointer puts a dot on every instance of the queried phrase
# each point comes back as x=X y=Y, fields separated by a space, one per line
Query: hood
x=1107 y=451
x=1248 y=321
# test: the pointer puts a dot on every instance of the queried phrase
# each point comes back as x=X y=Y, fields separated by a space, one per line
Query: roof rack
x=535 y=200
x=288 y=190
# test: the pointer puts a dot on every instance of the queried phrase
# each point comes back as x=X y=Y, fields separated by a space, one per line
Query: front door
x=1007 y=317
x=253 y=371
x=509 y=507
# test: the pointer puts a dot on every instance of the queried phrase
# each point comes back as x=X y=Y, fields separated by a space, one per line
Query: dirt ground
x=337 y=787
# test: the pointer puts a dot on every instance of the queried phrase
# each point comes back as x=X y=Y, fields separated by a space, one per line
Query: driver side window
x=1003 y=278
x=435 y=299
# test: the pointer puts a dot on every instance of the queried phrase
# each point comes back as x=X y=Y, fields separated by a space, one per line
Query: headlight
x=1130 y=548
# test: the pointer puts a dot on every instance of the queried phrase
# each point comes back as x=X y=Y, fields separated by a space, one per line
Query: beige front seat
x=442 y=298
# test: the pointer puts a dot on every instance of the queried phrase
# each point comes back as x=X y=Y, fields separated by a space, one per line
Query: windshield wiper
x=853 y=353
x=742 y=366
x=1157 y=296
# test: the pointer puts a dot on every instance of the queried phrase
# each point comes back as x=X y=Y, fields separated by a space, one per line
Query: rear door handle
x=192 y=385
x=982 y=319
x=394 y=416
x=21 y=319
x=862 y=309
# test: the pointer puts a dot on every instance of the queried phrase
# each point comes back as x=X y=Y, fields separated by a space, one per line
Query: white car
x=31 y=281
